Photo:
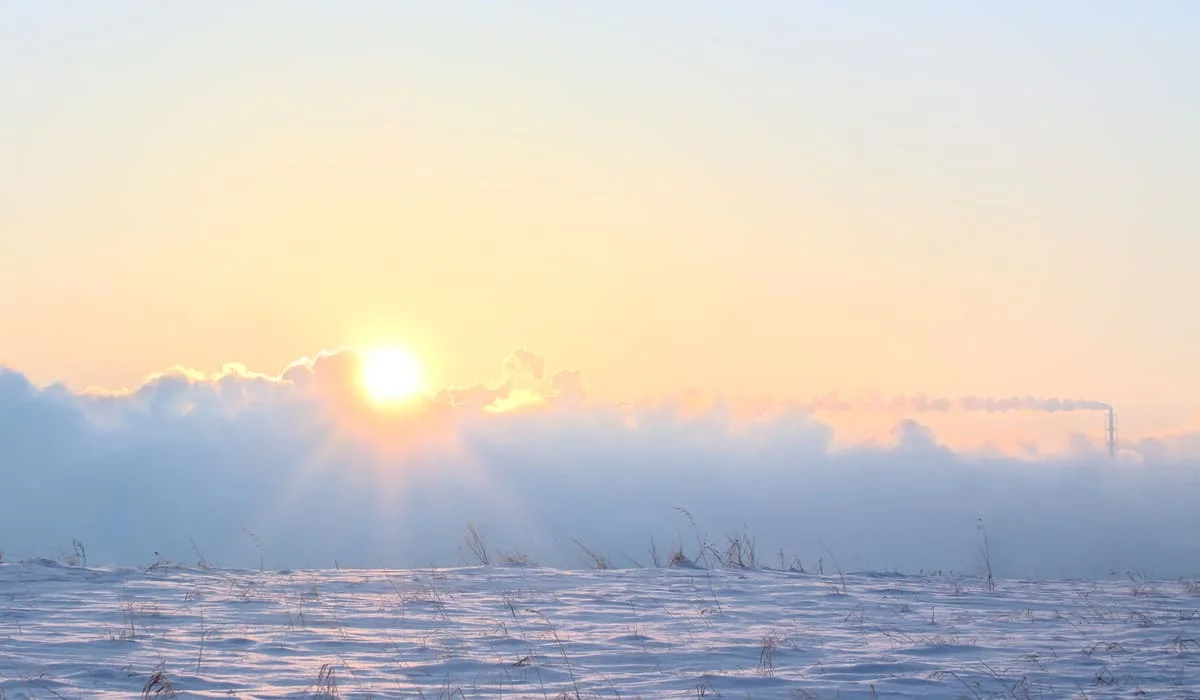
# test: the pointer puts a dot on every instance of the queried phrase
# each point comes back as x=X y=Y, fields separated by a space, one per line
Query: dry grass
x=158 y=685
x=326 y=685
x=766 y=656
x=476 y=545
x=594 y=559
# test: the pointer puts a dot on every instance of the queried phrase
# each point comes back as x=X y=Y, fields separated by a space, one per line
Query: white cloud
x=298 y=461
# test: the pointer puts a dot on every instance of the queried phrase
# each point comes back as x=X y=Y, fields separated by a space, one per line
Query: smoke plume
x=921 y=403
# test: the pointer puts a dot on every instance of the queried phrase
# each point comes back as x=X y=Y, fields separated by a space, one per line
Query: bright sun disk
x=389 y=375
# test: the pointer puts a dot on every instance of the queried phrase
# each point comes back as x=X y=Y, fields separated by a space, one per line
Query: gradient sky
x=766 y=199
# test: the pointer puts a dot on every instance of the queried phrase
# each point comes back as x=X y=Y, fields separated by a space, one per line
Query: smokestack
x=1111 y=434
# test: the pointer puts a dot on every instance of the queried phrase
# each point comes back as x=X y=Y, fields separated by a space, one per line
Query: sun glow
x=389 y=376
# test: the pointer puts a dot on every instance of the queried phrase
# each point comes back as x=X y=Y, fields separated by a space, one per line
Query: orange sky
x=792 y=206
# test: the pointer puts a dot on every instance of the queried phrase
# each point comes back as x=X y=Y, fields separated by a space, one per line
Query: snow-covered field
x=531 y=632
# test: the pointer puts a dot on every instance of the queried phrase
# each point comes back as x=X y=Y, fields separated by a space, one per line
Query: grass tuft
x=985 y=551
x=766 y=656
x=594 y=559
x=476 y=545
x=158 y=685
x=327 y=686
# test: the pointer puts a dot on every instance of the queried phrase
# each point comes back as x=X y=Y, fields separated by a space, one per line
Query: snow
x=523 y=631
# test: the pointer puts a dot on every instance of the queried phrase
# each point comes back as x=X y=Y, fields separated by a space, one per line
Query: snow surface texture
x=541 y=633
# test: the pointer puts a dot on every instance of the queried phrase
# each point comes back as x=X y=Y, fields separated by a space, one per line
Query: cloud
x=523 y=383
x=296 y=469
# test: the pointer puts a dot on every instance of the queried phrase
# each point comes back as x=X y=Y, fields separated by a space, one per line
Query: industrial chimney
x=1111 y=434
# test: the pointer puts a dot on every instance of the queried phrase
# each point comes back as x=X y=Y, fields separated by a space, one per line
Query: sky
x=767 y=199
x=765 y=203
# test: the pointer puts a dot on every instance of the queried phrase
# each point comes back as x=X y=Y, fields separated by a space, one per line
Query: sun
x=389 y=375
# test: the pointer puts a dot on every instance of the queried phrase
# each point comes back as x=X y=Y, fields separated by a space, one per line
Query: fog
x=244 y=469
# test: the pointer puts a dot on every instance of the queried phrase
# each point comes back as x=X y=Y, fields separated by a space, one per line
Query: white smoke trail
x=921 y=403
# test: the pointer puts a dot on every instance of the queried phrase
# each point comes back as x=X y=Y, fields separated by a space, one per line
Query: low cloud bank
x=294 y=471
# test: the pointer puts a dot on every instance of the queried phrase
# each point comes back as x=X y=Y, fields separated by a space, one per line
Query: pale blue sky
x=768 y=198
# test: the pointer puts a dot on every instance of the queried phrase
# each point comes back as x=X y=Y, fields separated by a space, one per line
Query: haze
x=699 y=209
